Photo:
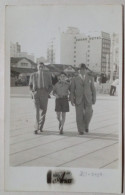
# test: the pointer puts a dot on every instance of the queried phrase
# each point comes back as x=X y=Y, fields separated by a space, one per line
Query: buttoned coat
x=83 y=90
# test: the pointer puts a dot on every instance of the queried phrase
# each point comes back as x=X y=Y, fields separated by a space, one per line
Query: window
x=24 y=64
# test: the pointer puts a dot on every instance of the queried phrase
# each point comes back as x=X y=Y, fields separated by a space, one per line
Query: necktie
x=83 y=78
x=41 y=80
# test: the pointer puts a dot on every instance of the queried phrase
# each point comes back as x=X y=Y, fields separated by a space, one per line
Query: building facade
x=92 y=49
x=22 y=65
x=21 y=68
x=51 y=51
x=115 y=54
x=67 y=45
x=15 y=51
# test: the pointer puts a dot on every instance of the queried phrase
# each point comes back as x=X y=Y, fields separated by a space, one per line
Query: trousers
x=83 y=116
x=40 y=102
x=112 y=90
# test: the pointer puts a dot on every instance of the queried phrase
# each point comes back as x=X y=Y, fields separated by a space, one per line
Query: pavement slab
x=95 y=159
x=97 y=149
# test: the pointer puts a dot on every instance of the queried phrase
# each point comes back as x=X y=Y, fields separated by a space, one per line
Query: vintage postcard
x=63 y=98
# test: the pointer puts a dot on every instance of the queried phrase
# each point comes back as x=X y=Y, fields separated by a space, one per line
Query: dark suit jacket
x=83 y=90
x=33 y=83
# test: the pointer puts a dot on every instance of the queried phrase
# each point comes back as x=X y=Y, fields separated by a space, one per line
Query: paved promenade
x=97 y=149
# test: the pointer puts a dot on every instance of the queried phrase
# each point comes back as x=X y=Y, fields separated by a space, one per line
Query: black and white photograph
x=64 y=97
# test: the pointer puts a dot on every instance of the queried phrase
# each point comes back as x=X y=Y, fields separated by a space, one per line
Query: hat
x=62 y=73
x=82 y=66
x=41 y=63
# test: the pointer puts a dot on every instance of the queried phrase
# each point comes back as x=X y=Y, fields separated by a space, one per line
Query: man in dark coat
x=83 y=95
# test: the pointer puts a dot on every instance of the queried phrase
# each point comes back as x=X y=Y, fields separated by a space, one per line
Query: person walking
x=40 y=84
x=83 y=95
x=54 y=79
x=61 y=92
x=113 y=87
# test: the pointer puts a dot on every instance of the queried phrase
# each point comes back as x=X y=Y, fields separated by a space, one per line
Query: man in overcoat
x=83 y=95
x=40 y=85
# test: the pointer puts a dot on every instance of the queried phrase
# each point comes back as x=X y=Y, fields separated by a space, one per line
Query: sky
x=33 y=26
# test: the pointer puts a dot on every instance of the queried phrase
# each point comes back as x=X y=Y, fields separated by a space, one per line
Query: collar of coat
x=82 y=76
x=63 y=82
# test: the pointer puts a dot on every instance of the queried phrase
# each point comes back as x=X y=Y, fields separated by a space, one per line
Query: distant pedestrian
x=103 y=78
x=113 y=87
x=61 y=92
x=54 y=79
x=40 y=85
x=83 y=95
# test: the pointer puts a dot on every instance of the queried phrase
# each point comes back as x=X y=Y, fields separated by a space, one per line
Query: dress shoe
x=81 y=133
x=36 y=131
x=59 y=124
x=41 y=130
x=86 y=130
x=61 y=130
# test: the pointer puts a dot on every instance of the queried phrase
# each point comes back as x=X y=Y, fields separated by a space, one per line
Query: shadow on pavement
x=86 y=135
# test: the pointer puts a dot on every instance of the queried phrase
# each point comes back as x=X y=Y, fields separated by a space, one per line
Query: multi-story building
x=115 y=54
x=15 y=49
x=92 y=49
x=67 y=45
x=51 y=51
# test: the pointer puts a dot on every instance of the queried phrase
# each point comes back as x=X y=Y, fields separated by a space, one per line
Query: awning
x=22 y=70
